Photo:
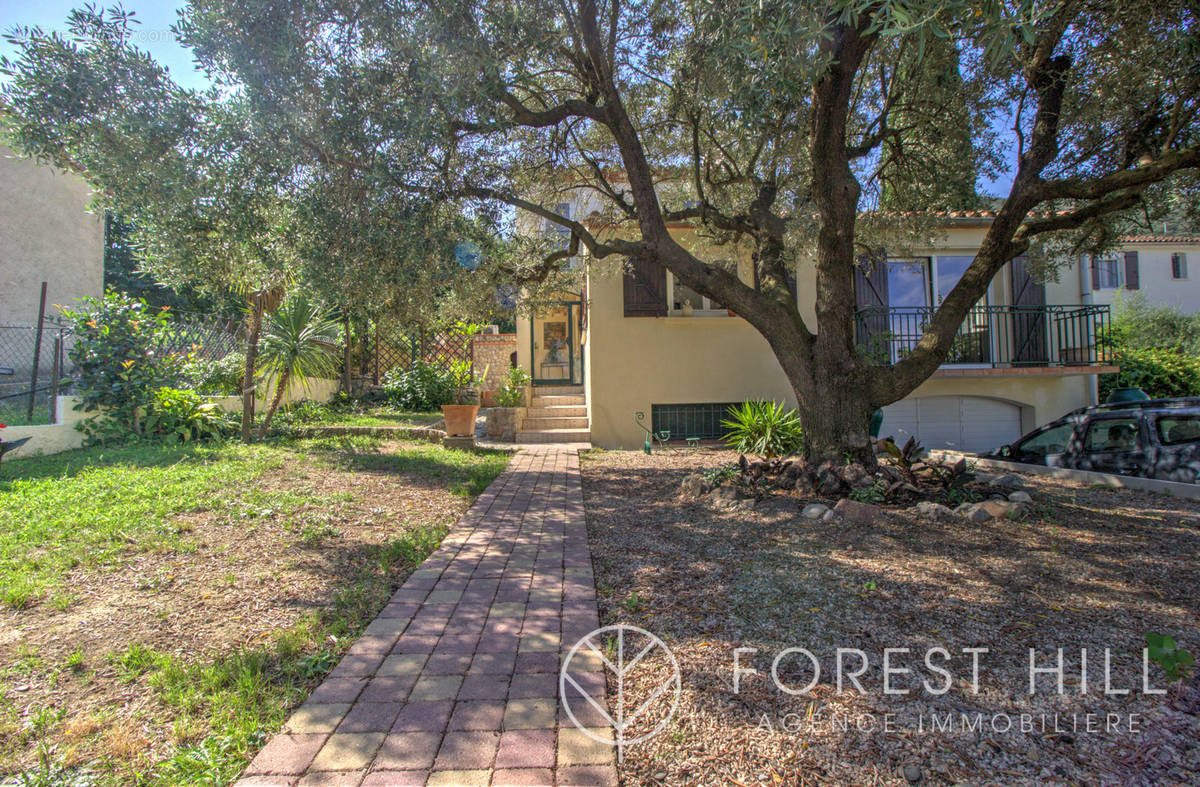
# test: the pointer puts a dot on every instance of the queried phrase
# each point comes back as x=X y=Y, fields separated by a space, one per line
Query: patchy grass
x=1086 y=568
x=181 y=601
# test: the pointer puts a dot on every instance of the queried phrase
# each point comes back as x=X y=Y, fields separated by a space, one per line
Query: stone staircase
x=556 y=414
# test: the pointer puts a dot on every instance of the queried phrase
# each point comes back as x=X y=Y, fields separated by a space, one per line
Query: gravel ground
x=1084 y=568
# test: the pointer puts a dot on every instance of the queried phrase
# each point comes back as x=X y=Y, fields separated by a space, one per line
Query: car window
x=1052 y=440
x=1175 y=429
x=1111 y=434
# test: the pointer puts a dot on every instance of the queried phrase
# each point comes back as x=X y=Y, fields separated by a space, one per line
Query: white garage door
x=963 y=423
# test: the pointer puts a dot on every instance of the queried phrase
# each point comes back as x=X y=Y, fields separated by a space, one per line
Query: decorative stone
x=1010 y=481
x=856 y=513
x=912 y=773
x=932 y=510
x=692 y=487
x=502 y=423
x=988 y=509
x=1020 y=496
x=829 y=516
x=814 y=511
x=463 y=443
x=723 y=496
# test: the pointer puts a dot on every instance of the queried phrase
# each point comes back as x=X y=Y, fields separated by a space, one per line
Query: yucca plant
x=299 y=343
x=764 y=428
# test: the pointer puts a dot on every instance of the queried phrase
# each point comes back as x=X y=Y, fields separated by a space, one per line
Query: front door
x=557 y=344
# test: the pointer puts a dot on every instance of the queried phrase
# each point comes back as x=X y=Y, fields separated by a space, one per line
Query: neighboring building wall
x=45 y=235
x=493 y=352
x=1155 y=282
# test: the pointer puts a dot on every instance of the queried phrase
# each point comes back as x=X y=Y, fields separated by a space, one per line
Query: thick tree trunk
x=836 y=417
x=256 y=318
x=280 y=387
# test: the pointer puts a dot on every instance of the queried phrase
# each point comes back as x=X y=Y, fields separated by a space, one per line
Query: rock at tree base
x=856 y=513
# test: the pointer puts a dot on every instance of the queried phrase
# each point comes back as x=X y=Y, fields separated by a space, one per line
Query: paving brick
x=266 y=781
x=402 y=664
x=317 y=717
x=457 y=643
x=444 y=597
x=396 y=779
x=423 y=716
x=407 y=751
x=484 y=687
x=591 y=775
x=348 y=751
x=477 y=715
x=478 y=778
x=523 y=777
x=370 y=717
x=575 y=747
x=412 y=643
x=331 y=779
x=338 y=690
x=492 y=663
x=287 y=754
x=436 y=687
x=530 y=714
x=357 y=665
x=533 y=685
x=464 y=750
x=526 y=749
x=388 y=689
x=447 y=664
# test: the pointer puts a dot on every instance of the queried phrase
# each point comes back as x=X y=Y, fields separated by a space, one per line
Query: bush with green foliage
x=119 y=362
x=764 y=428
x=512 y=391
x=182 y=416
x=216 y=377
x=1160 y=373
x=1136 y=325
x=423 y=386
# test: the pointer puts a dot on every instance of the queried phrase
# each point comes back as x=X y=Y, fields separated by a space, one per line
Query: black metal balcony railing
x=992 y=336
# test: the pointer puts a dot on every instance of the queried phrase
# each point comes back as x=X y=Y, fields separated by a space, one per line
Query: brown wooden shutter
x=1029 y=315
x=871 y=293
x=645 y=288
x=1095 y=266
x=1131 y=271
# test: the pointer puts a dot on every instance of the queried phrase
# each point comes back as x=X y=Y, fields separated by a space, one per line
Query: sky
x=154 y=35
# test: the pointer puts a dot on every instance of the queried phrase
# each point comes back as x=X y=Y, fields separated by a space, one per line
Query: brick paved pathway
x=456 y=681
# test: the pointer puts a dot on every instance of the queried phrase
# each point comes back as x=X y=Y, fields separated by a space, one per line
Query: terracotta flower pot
x=460 y=419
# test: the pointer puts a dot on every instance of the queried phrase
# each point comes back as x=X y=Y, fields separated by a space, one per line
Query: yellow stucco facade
x=632 y=363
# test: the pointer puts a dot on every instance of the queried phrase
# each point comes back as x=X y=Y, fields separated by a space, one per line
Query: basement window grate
x=691 y=420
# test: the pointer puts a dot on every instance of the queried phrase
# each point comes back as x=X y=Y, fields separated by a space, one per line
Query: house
x=46 y=235
x=1156 y=266
x=638 y=348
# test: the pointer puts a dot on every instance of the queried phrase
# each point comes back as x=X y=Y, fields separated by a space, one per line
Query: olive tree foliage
x=768 y=125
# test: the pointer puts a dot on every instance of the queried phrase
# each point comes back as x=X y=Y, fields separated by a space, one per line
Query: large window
x=1179 y=266
x=1176 y=429
x=1108 y=272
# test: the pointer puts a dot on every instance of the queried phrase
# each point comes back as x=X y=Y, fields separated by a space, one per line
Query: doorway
x=556 y=344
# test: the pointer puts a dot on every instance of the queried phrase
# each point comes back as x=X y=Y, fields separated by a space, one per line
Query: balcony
x=993 y=337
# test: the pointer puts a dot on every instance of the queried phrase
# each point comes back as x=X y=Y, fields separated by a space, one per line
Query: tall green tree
x=770 y=124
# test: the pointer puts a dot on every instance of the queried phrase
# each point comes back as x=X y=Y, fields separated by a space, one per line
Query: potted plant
x=460 y=416
x=510 y=399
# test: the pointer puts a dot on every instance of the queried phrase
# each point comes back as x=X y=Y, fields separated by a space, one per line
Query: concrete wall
x=1154 y=274
x=45 y=235
x=49 y=438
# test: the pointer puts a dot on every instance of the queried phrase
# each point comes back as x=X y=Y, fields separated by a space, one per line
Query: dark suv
x=1158 y=438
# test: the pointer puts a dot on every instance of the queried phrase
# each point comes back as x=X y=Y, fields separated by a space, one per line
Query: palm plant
x=299 y=343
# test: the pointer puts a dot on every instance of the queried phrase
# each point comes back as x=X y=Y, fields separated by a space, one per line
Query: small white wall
x=318 y=389
x=49 y=438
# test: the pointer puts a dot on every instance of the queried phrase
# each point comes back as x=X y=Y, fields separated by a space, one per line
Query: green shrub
x=220 y=377
x=119 y=362
x=182 y=416
x=512 y=390
x=1160 y=373
x=1136 y=325
x=423 y=386
x=764 y=428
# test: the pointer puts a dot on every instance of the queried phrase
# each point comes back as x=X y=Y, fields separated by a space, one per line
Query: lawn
x=1086 y=568
x=167 y=606
x=310 y=414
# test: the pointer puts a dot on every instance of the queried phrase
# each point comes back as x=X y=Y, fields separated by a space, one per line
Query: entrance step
x=557 y=411
x=558 y=400
x=553 y=390
x=555 y=436
x=546 y=424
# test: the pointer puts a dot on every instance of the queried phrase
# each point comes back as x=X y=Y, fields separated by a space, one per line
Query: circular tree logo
x=623 y=651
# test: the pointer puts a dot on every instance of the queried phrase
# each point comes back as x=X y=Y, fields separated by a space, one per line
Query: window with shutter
x=1179 y=266
x=1131 y=270
x=645 y=288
